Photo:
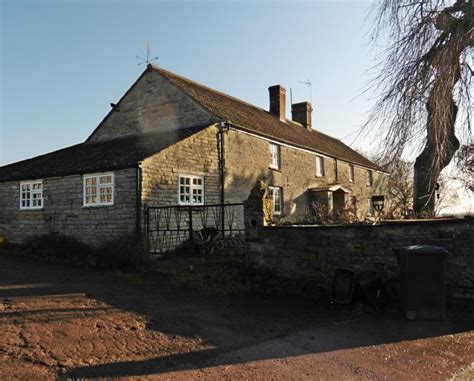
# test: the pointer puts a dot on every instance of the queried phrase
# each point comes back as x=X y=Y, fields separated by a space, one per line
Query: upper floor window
x=351 y=173
x=370 y=179
x=31 y=194
x=98 y=189
x=319 y=166
x=275 y=194
x=274 y=156
x=191 y=190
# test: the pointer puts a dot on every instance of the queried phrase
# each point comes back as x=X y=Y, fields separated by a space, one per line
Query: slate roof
x=91 y=157
x=261 y=122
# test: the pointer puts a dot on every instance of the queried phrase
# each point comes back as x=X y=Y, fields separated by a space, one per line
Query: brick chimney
x=277 y=101
x=301 y=113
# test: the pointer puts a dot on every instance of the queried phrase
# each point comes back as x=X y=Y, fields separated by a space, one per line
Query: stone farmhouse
x=172 y=141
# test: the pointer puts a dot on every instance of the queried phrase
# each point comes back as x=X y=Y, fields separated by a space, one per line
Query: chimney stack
x=277 y=101
x=301 y=113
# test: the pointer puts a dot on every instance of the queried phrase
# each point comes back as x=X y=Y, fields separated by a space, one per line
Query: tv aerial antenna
x=309 y=84
x=148 y=59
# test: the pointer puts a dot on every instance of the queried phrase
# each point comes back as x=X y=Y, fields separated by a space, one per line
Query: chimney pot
x=277 y=101
x=301 y=113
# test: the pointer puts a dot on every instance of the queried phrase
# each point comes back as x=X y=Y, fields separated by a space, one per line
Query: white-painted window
x=275 y=194
x=98 y=189
x=274 y=156
x=31 y=194
x=191 y=190
x=351 y=173
x=370 y=207
x=319 y=166
x=370 y=179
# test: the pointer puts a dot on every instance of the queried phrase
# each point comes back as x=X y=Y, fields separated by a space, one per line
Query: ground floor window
x=191 y=190
x=99 y=189
x=370 y=207
x=275 y=194
x=31 y=194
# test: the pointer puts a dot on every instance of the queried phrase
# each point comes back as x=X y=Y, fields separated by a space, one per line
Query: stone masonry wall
x=196 y=155
x=314 y=252
x=63 y=211
x=151 y=105
x=248 y=160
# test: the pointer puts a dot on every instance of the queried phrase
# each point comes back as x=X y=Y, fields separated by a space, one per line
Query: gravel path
x=72 y=324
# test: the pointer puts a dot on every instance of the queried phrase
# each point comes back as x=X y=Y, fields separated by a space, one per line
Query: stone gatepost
x=257 y=210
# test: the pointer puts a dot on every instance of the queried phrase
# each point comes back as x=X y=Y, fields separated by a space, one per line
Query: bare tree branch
x=425 y=82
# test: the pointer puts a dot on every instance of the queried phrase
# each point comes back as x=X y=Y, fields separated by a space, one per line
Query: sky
x=64 y=62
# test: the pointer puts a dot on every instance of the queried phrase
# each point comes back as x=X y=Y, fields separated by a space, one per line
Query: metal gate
x=207 y=229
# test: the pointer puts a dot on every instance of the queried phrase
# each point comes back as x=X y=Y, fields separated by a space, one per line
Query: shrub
x=127 y=253
x=55 y=247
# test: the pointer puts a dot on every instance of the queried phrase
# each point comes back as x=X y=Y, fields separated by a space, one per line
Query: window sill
x=30 y=209
x=96 y=206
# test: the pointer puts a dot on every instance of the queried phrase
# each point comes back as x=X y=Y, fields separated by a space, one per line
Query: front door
x=339 y=201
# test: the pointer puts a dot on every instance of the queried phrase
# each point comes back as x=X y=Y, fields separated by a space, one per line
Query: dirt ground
x=63 y=323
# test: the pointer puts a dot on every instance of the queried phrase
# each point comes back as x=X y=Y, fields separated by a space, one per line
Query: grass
x=211 y=275
x=126 y=260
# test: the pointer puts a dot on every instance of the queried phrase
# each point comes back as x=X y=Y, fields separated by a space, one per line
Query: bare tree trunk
x=430 y=163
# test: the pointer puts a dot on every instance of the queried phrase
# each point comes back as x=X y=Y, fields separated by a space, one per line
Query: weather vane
x=310 y=86
x=148 y=59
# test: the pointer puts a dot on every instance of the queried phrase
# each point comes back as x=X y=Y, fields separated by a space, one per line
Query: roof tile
x=261 y=122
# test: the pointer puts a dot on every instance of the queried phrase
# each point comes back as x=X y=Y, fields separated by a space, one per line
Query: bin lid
x=421 y=250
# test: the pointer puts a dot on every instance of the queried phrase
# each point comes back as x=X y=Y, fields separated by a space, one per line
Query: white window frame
x=370 y=207
x=276 y=194
x=351 y=173
x=98 y=187
x=31 y=192
x=370 y=178
x=192 y=187
x=275 y=156
x=319 y=166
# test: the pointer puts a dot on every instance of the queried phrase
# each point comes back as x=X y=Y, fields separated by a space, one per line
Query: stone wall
x=196 y=155
x=314 y=252
x=152 y=104
x=248 y=160
x=63 y=211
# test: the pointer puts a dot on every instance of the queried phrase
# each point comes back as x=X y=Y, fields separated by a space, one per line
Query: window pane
x=319 y=166
x=106 y=179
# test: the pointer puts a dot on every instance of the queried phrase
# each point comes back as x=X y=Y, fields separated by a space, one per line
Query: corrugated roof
x=91 y=157
x=259 y=121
